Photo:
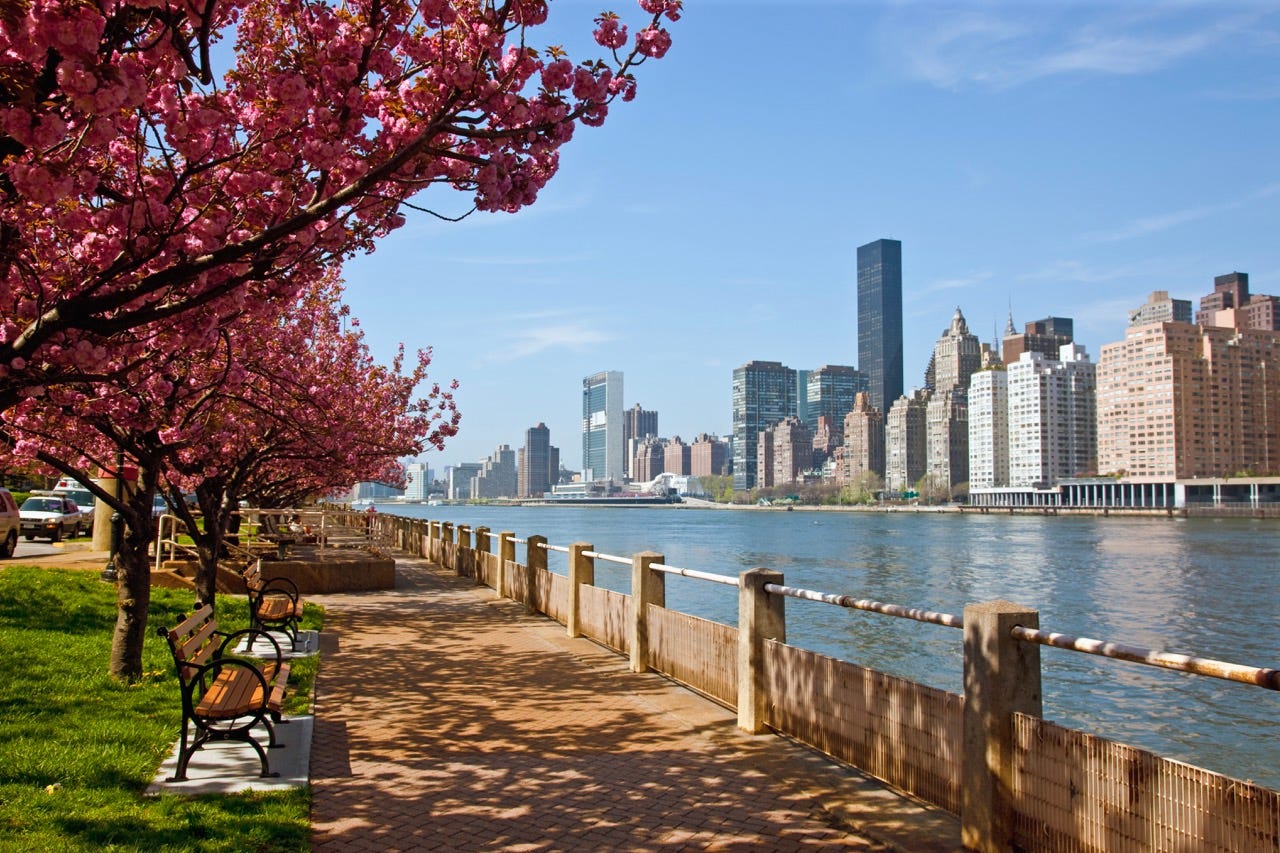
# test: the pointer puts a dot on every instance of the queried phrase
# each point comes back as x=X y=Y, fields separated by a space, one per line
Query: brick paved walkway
x=447 y=720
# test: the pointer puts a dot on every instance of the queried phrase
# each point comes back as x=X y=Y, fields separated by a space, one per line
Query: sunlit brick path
x=449 y=721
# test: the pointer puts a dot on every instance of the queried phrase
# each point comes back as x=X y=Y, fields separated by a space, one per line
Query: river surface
x=1206 y=587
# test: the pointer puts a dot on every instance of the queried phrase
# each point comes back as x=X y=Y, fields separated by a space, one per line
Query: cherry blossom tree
x=140 y=183
x=297 y=400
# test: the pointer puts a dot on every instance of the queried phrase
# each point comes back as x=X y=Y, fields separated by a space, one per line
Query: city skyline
x=1050 y=160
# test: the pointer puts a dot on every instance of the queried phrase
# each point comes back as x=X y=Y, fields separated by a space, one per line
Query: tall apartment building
x=1159 y=308
x=650 y=459
x=497 y=475
x=764 y=392
x=826 y=438
x=603 y=448
x=1231 y=293
x=905 y=442
x=785 y=451
x=1046 y=337
x=636 y=424
x=708 y=456
x=1052 y=418
x=947 y=438
x=863 y=440
x=880 y=319
x=989 y=428
x=676 y=456
x=1182 y=401
x=829 y=392
x=538 y=463
x=418 y=481
x=956 y=356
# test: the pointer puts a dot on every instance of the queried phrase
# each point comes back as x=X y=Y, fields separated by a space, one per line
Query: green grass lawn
x=78 y=748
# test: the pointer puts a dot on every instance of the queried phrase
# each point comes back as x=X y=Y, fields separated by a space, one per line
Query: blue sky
x=1052 y=158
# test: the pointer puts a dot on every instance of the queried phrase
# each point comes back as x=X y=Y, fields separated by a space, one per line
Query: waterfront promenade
x=448 y=720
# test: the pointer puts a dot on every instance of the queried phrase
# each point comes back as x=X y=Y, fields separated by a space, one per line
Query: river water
x=1206 y=587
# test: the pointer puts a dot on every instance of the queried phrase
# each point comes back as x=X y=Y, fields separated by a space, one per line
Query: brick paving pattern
x=446 y=720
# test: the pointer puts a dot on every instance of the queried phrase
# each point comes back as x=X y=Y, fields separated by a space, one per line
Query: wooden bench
x=273 y=603
x=223 y=697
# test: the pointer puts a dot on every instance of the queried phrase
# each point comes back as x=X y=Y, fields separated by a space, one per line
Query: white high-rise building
x=1053 y=430
x=419 y=481
x=603 y=445
x=989 y=429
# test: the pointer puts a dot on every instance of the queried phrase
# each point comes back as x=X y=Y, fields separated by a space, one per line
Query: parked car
x=50 y=515
x=82 y=496
x=10 y=524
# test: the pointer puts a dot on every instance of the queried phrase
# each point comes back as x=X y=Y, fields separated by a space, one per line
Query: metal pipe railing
x=1262 y=677
x=560 y=548
x=608 y=558
x=727 y=580
x=947 y=619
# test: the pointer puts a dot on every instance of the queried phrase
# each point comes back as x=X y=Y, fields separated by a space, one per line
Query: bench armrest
x=281 y=585
x=251 y=633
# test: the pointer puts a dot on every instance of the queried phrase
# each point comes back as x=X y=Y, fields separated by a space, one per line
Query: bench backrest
x=193 y=642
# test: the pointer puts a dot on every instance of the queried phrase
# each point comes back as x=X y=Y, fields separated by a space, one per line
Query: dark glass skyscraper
x=880 y=319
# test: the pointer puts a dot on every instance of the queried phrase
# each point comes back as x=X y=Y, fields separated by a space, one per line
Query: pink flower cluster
x=147 y=205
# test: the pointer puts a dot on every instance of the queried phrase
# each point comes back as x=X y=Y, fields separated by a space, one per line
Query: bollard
x=1001 y=676
x=535 y=560
x=506 y=554
x=482 y=553
x=582 y=570
x=761 y=617
x=647 y=587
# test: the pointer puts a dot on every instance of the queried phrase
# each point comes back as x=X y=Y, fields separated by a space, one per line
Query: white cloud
x=961 y=283
x=1002 y=46
x=1164 y=221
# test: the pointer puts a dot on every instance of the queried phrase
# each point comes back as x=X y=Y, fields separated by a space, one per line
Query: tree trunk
x=133 y=598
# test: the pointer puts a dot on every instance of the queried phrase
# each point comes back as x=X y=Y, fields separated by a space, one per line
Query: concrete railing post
x=1001 y=676
x=482 y=553
x=506 y=554
x=464 y=550
x=761 y=617
x=582 y=570
x=535 y=560
x=446 y=545
x=647 y=587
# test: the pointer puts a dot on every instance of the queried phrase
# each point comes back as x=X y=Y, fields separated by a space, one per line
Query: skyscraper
x=830 y=391
x=880 y=320
x=764 y=392
x=538 y=463
x=603 y=448
x=956 y=356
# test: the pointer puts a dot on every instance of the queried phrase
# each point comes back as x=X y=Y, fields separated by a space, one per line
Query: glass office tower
x=602 y=440
x=880 y=320
x=764 y=392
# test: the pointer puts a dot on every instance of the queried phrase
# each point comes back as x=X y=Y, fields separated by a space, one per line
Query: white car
x=83 y=498
x=51 y=516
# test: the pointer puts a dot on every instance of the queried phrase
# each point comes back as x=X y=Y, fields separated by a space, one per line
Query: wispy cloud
x=532 y=333
x=1164 y=221
x=960 y=283
x=1005 y=45
x=520 y=260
